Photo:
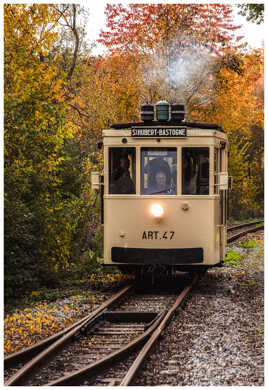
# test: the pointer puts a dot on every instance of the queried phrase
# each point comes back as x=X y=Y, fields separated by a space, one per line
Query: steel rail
x=92 y=369
x=58 y=341
x=132 y=372
x=243 y=233
x=28 y=353
x=236 y=227
x=154 y=331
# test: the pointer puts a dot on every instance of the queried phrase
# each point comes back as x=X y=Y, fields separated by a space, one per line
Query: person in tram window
x=159 y=178
x=190 y=173
x=121 y=182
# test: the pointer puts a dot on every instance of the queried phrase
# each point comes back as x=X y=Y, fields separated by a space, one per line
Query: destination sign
x=159 y=132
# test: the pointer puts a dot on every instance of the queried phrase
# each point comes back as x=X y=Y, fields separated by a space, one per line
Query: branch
x=198 y=85
x=74 y=30
x=81 y=114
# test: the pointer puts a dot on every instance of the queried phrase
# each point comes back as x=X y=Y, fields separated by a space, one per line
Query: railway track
x=235 y=232
x=105 y=347
x=19 y=363
x=84 y=354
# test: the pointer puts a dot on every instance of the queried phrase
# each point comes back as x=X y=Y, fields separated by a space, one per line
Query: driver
x=159 y=181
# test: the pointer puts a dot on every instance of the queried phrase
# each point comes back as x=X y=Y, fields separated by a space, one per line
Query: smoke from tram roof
x=176 y=73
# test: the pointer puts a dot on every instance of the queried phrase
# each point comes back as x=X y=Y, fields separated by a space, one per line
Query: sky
x=254 y=34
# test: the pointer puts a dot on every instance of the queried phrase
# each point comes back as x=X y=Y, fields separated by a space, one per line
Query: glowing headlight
x=157 y=210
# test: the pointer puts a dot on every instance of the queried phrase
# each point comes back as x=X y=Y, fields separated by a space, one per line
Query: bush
x=233 y=258
x=248 y=244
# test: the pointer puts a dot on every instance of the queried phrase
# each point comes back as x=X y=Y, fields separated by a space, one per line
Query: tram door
x=224 y=203
x=220 y=166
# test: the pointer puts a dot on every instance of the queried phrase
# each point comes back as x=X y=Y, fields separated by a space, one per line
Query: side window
x=158 y=171
x=122 y=171
x=195 y=171
x=216 y=170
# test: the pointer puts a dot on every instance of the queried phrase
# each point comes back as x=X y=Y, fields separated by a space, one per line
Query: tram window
x=195 y=171
x=122 y=171
x=216 y=170
x=158 y=171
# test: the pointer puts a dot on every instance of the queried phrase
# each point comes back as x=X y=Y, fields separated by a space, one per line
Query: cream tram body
x=191 y=232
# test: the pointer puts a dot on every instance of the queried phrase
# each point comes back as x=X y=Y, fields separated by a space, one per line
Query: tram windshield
x=195 y=171
x=122 y=171
x=158 y=171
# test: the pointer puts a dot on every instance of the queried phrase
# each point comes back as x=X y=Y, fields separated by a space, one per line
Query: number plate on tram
x=157 y=235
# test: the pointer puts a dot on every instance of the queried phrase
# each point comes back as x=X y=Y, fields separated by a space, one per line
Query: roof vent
x=177 y=111
x=147 y=112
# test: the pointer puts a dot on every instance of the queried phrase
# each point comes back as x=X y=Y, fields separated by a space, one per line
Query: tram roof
x=197 y=125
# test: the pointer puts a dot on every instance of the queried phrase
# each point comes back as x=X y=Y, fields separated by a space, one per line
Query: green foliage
x=259 y=254
x=248 y=244
x=41 y=191
x=91 y=260
x=233 y=258
x=233 y=221
x=253 y=12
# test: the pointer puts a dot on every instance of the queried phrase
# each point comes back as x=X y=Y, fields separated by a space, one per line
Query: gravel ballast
x=216 y=339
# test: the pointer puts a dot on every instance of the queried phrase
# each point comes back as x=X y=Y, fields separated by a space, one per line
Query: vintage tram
x=165 y=186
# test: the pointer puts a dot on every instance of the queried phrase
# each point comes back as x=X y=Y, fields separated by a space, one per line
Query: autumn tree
x=239 y=107
x=39 y=213
x=189 y=53
x=139 y=27
x=176 y=43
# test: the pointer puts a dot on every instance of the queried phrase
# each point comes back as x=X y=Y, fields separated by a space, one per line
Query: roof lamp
x=162 y=110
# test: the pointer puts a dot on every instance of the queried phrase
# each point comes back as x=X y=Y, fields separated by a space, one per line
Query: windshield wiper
x=159 y=192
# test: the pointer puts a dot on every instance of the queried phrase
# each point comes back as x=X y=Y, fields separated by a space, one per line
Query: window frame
x=210 y=155
x=108 y=170
x=141 y=169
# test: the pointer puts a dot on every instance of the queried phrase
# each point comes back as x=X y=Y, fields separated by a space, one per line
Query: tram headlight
x=157 y=210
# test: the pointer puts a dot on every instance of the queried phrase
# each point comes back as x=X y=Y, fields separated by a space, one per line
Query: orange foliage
x=238 y=107
x=144 y=26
